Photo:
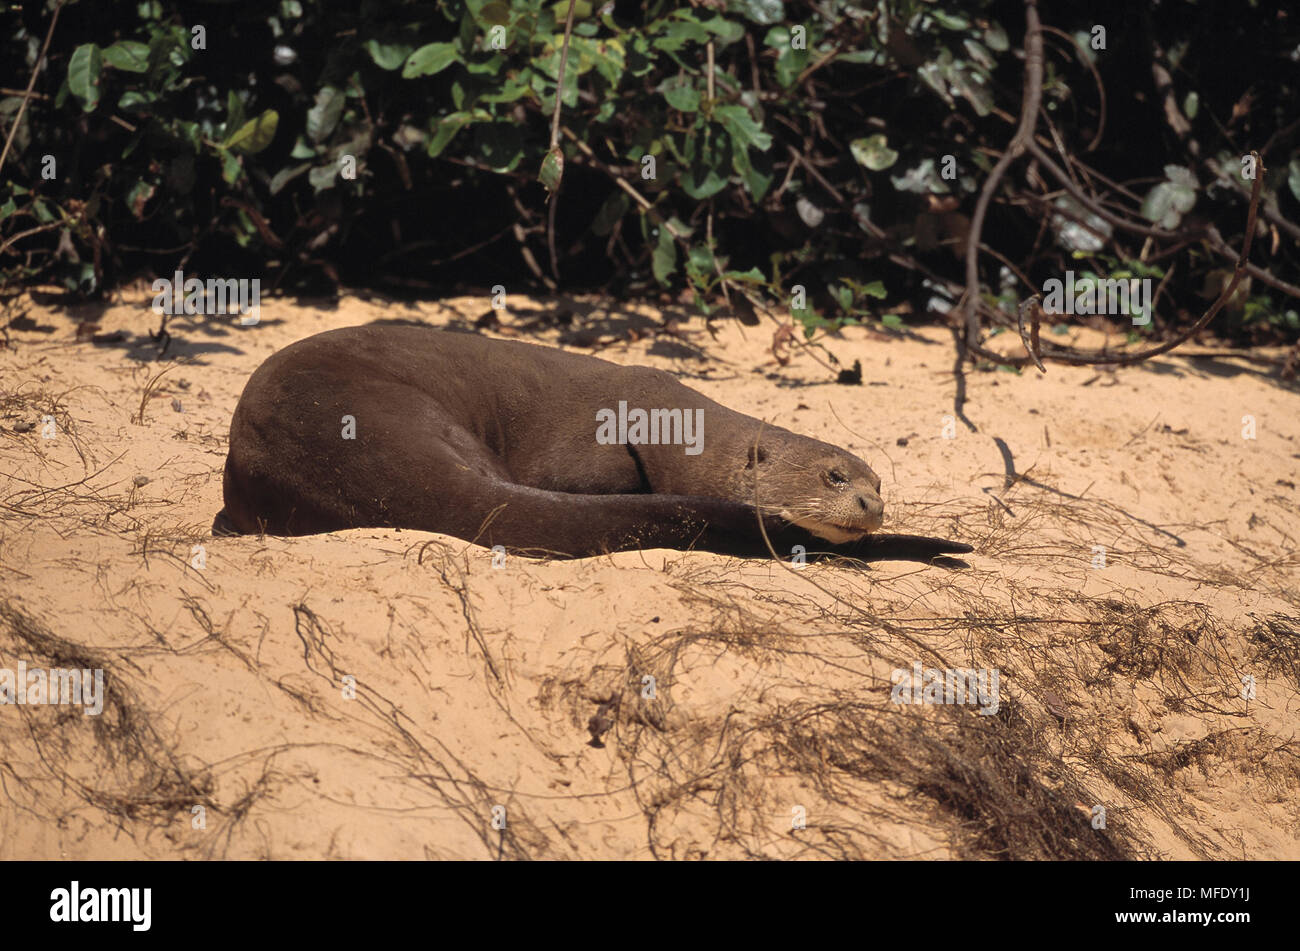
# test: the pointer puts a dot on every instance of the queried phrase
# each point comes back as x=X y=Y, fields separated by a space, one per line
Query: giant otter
x=532 y=448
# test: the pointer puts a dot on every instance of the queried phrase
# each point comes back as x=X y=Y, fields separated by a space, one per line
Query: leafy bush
x=836 y=145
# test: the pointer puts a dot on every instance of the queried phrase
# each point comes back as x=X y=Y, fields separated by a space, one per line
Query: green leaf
x=700 y=265
x=488 y=66
x=231 y=169
x=757 y=180
x=676 y=35
x=189 y=131
x=448 y=127
x=22 y=135
x=1181 y=175
x=664 y=261
x=950 y=21
x=138 y=196
x=742 y=128
x=323 y=176
x=1167 y=203
x=515 y=87
x=971 y=83
x=128 y=55
x=388 y=56
x=892 y=320
x=873 y=152
x=1170 y=200
x=931 y=75
x=843 y=296
x=234 y=111
x=545 y=92
x=863 y=57
x=1293 y=177
x=764 y=12
x=324 y=116
x=611 y=212
x=286 y=175
x=680 y=93
x=82 y=278
x=790 y=63
x=727 y=31
x=254 y=135
x=1084 y=40
x=995 y=38
x=921 y=180
x=610 y=59
x=429 y=60
x=136 y=138
x=702 y=182
x=497 y=12
x=552 y=169
x=979 y=54
x=84 y=70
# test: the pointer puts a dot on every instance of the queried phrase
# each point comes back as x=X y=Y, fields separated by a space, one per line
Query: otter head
x=824 y=490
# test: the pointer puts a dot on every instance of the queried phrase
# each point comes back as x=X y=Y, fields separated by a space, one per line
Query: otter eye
x=837 y=478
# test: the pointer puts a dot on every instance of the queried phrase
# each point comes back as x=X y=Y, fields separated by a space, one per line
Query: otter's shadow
x=919 y=548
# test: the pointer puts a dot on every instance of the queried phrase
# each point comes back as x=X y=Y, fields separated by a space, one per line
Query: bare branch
x=1023 y=139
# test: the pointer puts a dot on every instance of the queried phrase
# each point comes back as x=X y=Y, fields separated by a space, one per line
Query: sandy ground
x=392 y=694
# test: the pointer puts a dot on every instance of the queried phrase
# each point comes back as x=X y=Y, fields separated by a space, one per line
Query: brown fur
x=495 y=442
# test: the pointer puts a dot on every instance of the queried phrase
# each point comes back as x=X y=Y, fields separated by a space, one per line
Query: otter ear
x=757 y=456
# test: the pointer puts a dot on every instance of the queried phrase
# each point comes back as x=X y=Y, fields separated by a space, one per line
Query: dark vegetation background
x=216 y=136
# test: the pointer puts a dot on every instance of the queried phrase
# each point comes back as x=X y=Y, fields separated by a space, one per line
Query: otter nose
x=873 y=508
